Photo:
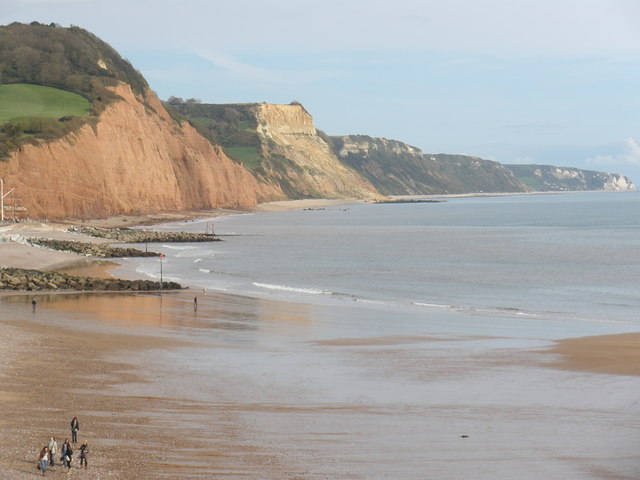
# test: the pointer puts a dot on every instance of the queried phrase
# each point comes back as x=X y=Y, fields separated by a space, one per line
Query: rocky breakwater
x=89 y=249
x=129 y=235
x=16 y=279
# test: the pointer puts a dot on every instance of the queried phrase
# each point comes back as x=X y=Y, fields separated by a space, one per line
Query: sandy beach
x=610 y=354
x=50 y=373
x=102 y=357
x=129 y=366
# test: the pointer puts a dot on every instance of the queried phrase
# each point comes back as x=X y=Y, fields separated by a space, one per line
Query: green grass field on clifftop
x=22 y=101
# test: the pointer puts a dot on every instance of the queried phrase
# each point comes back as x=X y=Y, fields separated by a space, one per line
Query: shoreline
x=579 y=353
x=573 y=353
x=501 y=194
x=108 y=351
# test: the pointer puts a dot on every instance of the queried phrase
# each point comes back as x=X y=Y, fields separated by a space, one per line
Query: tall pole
x=161 y=257
x=2 y=195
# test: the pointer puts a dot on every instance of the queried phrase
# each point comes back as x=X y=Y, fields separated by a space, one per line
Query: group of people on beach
x=48 y=453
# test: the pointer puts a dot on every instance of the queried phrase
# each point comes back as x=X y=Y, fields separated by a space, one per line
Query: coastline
x=579 y=354
x=285 y=205
x=105 y=348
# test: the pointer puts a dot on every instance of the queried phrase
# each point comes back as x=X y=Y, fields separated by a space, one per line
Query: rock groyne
x=17 y=279
x=129 y=235
x=90 y=249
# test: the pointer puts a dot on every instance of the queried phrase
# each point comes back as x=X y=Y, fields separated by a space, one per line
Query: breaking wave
x=311 y=291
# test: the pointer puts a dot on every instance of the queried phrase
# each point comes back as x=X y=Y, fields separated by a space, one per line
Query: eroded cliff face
x=299 y=161
x=396 y=168
x=551 y=178
x=136 y=160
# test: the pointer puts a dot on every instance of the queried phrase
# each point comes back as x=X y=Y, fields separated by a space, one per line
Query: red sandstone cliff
x=136 y=160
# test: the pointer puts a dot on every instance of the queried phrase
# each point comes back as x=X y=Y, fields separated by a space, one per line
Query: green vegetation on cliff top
x=34 y=112
x=67 y=59
x=71 y=59
x=19 y=102
x=232 y=126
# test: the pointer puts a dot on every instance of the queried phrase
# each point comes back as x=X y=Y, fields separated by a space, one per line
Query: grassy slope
x=248 y=156
x=20 y=101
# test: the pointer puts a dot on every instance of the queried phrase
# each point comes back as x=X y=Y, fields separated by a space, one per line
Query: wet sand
x=164 y=391
x=52 y=372
x=611 y=354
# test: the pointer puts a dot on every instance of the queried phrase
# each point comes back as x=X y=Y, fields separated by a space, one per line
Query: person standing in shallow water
x=75 y=426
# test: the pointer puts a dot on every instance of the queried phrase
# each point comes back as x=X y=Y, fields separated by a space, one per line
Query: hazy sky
x=517 y=81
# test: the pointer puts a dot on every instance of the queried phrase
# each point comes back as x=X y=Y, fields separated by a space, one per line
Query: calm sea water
x=561 y=257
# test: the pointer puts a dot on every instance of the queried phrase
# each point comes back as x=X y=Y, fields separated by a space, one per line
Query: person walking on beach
x=75 y=426
x=195 y=304
x=53 y=449
x=43 y=458
x=33 y=304
x=84 y=452
x=67 y=452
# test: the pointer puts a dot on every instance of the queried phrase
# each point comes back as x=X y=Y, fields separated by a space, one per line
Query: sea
x=566 y=257
x=407 y=340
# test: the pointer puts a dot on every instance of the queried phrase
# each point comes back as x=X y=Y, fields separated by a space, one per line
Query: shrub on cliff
x=70 y=59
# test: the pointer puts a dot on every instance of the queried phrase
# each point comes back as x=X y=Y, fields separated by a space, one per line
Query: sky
x=517 y=81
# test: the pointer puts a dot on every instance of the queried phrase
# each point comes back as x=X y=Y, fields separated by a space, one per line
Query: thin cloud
x=239 y=69
x=250 y=72
x=631 y=156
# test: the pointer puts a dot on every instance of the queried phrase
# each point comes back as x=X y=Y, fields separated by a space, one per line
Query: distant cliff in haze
x=282 y=147
x=396 y=168
x=547 y=178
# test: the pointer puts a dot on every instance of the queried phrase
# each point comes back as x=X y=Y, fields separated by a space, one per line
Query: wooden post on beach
x=161 y=257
